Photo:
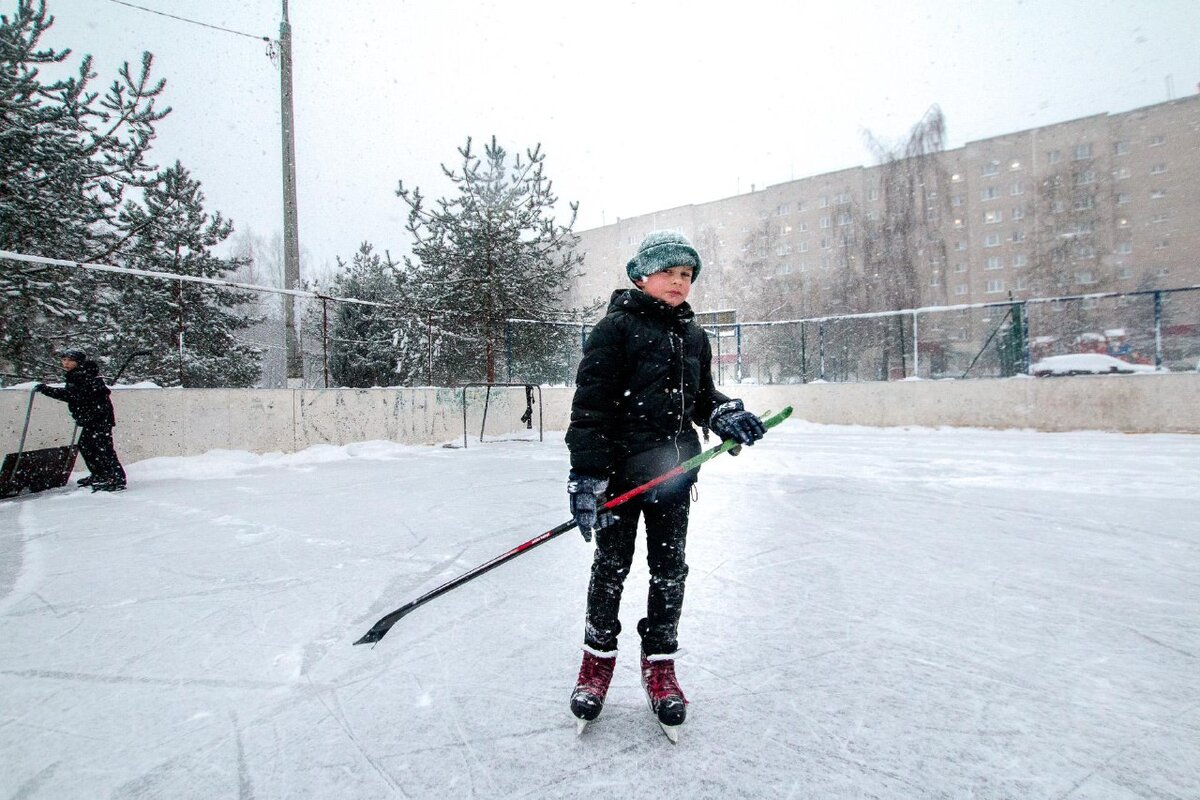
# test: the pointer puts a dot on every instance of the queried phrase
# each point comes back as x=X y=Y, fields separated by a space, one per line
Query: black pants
x=666 y=535
x=96 y=447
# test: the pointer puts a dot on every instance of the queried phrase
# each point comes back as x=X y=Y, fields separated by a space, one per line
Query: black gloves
x=584 y=492
x=732 y=421
x=40 y=388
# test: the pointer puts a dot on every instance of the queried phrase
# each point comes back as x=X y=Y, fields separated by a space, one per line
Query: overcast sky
x=638 y=106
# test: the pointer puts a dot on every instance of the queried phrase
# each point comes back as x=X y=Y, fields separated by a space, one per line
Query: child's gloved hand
x=732 y=421
x=584 y=492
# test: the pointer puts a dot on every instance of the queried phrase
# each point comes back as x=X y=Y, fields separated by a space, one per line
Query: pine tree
x=363 y=338
x=492 y=252
x=192 y=328
x=68 y=156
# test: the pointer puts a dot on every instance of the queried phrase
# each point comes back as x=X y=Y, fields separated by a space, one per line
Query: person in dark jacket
x=87 y=398
x=644 y=381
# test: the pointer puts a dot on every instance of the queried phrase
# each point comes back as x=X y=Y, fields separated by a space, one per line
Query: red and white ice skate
x=663 y=693
x=595 y=673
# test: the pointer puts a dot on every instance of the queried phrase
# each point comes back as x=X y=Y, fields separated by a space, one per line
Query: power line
x=191 y=21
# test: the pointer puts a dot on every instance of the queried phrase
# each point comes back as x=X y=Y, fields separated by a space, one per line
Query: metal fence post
x=1158 y=351
x=821 y=347
x=916 y=349
x=738 y=364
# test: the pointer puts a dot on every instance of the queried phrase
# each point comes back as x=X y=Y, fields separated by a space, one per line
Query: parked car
x=1086 y=364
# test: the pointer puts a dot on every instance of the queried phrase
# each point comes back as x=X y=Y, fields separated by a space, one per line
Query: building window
x=799 y=206
x=1018 y=236
x=1019 y=260
x=990 y=168
x=989 y=193
x=958 y=223
x=1085 y=202
x=1085 y=251
x=1159 y=218
x=844 y=218
x=995 y=286
x=803 y=226
x=961 y=266
x=991 y=240
x=1122 y=198
x=955 y=178
x=1158 y=194
x=825 y=222
x=1158 y=141
x=960 y=245
x=784 y=268
x=992 y=217
x=843 y=199
x=960 y=289
x=783 y=249
x=824 y=243
x=1017 y=189
x=1022 y=284
x=785 y=229
x=1057 y=206
x=1082 y=152
x=1014 y=164
x=1124 y=248
x=1158 y=169
x=1162 y=244
x=872 y=193
x=783 y=209
x=1085 y=177
x=1054 y=156
x=1162 y=272
x=1121 y=174
x=1085 y=278
x=824 y=201
x=1125 y=273
x=1120 y=148
x=993 y=262
x=956 y=199
x=935 y=280
x=804 y=247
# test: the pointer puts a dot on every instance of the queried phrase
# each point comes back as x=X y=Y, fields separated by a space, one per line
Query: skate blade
x=580 y=725
x=672 y=732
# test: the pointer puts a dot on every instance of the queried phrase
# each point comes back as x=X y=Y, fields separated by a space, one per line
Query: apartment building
x=1105 y=203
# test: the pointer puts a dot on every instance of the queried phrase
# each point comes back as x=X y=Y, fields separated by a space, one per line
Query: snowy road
x=870 y=614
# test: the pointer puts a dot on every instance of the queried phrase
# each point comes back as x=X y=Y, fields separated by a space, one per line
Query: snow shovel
x=46 y=468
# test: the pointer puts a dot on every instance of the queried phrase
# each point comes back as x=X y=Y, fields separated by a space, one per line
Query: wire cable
x=192 y=21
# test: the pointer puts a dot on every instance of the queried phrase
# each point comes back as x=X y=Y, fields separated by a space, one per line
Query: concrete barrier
x=177 y=422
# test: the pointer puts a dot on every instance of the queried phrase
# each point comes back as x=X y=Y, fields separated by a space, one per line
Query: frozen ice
x=871 y=613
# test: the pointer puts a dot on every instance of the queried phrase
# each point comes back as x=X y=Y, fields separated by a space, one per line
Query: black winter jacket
x=645 y=378
x=86 y=396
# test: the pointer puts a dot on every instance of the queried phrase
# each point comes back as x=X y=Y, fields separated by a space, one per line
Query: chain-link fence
x=414 y=347
x=1156 y=327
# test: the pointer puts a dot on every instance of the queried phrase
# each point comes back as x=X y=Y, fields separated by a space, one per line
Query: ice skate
x=663 y=693
x=595 y=673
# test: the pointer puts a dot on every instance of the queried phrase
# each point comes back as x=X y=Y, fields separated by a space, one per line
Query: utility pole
x=291 y=232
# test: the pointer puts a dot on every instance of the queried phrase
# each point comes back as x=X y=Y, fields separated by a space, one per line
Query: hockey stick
x=380 y=628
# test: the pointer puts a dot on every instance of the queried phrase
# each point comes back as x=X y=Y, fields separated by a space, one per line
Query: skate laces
x=659 y=677
x=595 y=674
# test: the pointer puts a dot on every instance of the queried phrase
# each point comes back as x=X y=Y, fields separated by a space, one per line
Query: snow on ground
x=895 y=613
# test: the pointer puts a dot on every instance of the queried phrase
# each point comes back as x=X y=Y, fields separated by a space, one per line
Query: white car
x=1086 y=364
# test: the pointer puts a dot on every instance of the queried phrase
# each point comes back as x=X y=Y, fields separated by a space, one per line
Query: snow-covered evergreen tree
x=363 y=338
x=192 y=328
x=68 y=157
x=493 y=251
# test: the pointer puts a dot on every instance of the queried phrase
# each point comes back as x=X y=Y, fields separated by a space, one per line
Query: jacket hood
x=86 y=369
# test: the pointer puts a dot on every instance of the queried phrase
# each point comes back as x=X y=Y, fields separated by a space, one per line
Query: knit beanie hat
x=662 y=250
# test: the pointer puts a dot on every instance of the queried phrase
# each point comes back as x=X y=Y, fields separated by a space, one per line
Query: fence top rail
x=912 y=312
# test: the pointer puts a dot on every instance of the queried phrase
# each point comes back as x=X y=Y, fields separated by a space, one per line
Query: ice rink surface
x=871 y=613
